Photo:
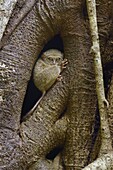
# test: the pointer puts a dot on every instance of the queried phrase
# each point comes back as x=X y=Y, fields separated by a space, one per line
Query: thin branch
x=102 y=102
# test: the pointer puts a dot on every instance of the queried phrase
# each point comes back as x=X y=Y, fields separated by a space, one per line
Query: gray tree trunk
x=68 y=116
x=6 y=8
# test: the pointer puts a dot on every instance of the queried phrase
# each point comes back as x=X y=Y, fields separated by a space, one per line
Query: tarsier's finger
x=59 y=78
x=63 y=67
x=65 y=59
x=59 y=75
x=64 y=63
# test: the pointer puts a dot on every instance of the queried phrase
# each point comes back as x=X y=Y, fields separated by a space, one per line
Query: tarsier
x=46 y=71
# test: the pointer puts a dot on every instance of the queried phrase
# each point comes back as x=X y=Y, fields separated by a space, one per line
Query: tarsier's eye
x=59 y=59
x=49 y=60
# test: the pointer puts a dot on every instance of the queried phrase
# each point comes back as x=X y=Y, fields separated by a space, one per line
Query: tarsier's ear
x=46 y=53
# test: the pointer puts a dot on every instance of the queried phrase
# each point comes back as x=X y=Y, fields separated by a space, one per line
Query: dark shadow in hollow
x=32 y=93
x=108 y=71
x=52 y=154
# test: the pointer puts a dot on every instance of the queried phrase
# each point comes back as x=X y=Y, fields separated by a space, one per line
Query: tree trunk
x=6 y=8
x=68 y=116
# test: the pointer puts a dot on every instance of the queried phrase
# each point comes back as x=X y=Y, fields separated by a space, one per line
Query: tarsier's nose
x=54 y=62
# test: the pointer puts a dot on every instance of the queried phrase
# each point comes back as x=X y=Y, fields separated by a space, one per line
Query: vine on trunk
x=106 y=152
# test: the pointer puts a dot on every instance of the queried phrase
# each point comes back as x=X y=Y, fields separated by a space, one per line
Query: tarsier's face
x=52 y=57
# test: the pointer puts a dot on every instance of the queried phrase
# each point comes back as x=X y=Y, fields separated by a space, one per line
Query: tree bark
x=67 y=117
x=6 y=8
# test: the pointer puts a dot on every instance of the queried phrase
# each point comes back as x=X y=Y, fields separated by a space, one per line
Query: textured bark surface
x=25 y=145
x=6 y=8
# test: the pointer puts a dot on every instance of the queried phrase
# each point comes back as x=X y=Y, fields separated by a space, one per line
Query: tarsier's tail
x=37 y=103
x=33 y=109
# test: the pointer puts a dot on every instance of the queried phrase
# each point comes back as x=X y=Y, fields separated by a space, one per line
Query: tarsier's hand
x=63 y=64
